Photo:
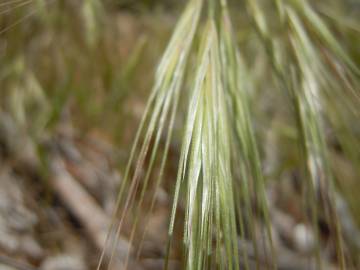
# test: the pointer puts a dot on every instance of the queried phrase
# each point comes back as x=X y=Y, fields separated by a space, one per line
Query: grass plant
x=220 y=186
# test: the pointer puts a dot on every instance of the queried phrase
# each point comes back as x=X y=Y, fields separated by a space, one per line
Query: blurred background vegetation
x=75 y=72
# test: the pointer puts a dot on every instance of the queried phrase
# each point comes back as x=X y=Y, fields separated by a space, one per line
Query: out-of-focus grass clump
x=81 y=57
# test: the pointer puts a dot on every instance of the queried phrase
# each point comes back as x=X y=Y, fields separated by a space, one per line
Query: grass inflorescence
x=220 y=182
x=221 y=205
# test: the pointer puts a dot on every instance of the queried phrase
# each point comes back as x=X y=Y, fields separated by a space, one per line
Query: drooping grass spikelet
x=304 y=74
x=205 y=168
x=164 y=96
x=238 y=84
